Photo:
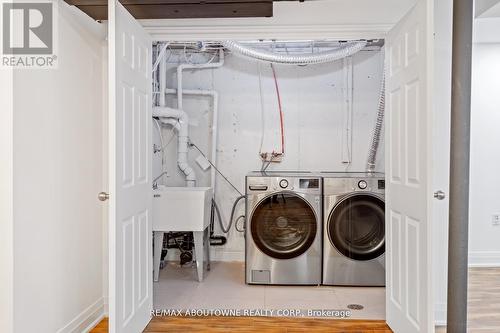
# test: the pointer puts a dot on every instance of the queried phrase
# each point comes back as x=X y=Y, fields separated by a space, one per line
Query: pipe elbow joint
x=186 y=169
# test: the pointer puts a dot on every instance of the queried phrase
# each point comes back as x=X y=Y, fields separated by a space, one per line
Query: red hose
x=281 y=111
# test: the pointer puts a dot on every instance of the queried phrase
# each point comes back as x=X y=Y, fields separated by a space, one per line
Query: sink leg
x=207 y=246
x=198 y=249
x=158 y=246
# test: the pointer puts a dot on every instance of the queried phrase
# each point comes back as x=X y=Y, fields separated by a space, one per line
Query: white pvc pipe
x=163 y=80
x=183 y=131
x=182 y=67
x=215 y=116
x=161 y=56
x=172 y=122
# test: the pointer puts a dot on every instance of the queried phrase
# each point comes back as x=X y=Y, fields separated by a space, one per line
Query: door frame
x=203 y=32
x=245 y=32
x=7 y=200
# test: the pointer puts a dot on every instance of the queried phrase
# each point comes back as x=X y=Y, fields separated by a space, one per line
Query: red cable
x=281 y=111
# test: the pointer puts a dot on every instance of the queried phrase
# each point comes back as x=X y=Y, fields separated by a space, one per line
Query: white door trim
x=249 y=32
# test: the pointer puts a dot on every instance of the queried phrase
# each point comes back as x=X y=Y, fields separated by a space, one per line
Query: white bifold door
x=130 y=258
x=409 y=190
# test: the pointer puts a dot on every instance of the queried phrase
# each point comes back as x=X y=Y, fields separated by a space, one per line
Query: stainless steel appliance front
x=354 y=229
x=283 y=231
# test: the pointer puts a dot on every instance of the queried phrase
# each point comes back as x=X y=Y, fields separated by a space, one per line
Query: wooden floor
x=483 y=316
x=257 y=324
x=484 y=300
x=102 y=327
x=483 y=304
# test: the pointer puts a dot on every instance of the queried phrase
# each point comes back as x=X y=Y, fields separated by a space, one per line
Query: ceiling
x=487 y=8
x=177 y=9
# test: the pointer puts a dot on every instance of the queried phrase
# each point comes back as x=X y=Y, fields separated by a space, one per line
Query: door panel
x=409 y=156
x=131 y=201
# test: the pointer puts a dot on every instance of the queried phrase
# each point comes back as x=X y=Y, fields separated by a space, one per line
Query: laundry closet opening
x=268 y=176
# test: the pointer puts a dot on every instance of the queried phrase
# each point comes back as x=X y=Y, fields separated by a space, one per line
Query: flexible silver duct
x=372 y=154
x=346 y=50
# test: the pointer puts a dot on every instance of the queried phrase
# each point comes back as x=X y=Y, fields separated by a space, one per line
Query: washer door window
x=283 y=226
x=356 y=227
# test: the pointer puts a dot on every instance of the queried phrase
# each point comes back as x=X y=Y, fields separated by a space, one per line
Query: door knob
x=440 y=195
x=103 y=196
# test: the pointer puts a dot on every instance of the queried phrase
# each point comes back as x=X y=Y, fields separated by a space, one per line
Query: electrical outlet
x=271 y=157
x=495 y=219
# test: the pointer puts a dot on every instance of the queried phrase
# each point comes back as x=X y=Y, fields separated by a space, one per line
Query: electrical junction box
x=203 y=163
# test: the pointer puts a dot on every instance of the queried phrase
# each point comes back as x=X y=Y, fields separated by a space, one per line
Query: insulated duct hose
x=224 y=229
x=346 y=50
x=372 y=154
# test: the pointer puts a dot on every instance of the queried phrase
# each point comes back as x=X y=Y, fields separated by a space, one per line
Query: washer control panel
x=309 y=183
x=296 y=183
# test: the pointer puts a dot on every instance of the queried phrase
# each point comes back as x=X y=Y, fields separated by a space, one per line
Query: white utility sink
x=181 y=208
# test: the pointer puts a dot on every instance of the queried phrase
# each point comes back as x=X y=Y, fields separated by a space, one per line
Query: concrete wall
x=313 y=106
x=58 y=265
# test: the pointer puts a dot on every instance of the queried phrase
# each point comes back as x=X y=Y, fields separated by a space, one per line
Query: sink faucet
x=155 y=184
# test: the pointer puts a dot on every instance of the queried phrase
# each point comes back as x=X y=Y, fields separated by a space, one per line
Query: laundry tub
x=182 y=209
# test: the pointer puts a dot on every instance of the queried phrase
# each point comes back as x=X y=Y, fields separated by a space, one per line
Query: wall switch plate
x=495 y=219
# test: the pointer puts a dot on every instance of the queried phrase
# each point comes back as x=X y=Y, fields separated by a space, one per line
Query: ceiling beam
x=176 y=9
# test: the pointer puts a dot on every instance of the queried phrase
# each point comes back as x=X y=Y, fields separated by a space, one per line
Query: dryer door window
x=283 y=226
x=356 y=227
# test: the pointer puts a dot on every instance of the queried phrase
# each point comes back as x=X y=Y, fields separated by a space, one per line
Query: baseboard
x=106 y=306
x=440 y=314
x=484 y=259
x=87 y=319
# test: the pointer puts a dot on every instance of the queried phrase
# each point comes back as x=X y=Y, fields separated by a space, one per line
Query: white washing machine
x=354 y=229
x=283 y=233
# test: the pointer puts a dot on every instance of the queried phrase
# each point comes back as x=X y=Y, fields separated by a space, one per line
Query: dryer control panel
x=310 y=185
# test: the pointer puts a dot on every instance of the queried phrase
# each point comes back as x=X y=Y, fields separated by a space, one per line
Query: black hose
x=236 y=223
x=232 y=214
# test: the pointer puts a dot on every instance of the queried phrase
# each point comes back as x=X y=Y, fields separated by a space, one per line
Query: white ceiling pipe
x=343 y=51
x=161 y=56
x=215 y=116
x=182 y=67
x=182 y=135
x=163 y=80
